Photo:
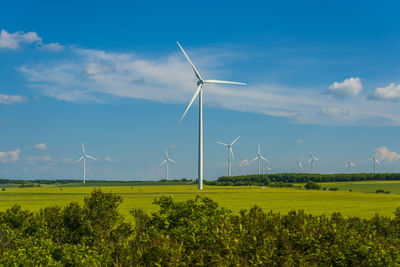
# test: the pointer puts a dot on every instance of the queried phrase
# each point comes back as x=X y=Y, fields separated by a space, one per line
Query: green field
x=360 y=201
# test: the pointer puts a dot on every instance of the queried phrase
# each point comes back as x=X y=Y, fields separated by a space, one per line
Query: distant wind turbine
x=349 y=164
x=243 y=163
x=312 y=159
x=299 y=165
x=230 y=153
x=167 y=159
x=375 y=160
x=199 y=92
x=84 y=156
x=259 y=157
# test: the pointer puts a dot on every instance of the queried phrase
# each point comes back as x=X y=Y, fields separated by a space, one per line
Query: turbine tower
x=312 y=159
x=375 y=160
x=230 y=153
x=349 y=164
x=243 y=162
x=199 y=92
x=259 y=157
x=167 y=159
x=84 y=156
x=299 y=165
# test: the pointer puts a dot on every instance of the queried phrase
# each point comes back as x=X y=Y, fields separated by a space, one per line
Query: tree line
x=193 y=232
x=267 y=179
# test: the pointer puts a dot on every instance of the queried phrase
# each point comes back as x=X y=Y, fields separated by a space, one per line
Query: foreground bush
x=195 y=232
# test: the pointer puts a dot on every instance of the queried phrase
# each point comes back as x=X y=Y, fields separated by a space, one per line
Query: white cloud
x=349 y=87
x=172 y=146
x=93 y=75
x=55 y=47
x=9 y=156
x=11 y=99
x=333 y=111
x=45 y=159
x=16 y=40
x=41 y=146
x=390 y=92
x=94 y=68
x=108 y=158
x=299 y=141
x=66 y=160
x=13 y=41
x=385 y=154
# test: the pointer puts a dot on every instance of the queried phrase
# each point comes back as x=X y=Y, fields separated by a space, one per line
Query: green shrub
x=312 y=185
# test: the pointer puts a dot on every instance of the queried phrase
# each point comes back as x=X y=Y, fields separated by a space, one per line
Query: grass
x=356 y=203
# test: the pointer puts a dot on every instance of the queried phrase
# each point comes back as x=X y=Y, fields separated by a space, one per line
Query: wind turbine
x=375 y=160
x=299 y=165
x=312 y=159
x=243 y=162
x=84 y=156
x=259 y=157
x=349 y=164
x=230 y=153
x=167 y=159
x=199 y=92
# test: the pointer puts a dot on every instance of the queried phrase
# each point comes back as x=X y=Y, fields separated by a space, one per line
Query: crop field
x=359 y=202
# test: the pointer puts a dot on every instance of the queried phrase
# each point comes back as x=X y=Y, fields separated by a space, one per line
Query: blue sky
x=321 y=76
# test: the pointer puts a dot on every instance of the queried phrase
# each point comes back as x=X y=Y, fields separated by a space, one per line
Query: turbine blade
x=230 y=150
x=259 y=151
x=308 y=161
x=192 y=100
x=163 y=162
x=264 y=159
x=253 y=160
x=90 y=157
x=81 y=158
x=377 y=161
x=222 y=143
x=191 y=64
x=83 y=149
x=316 y=158
x=166 y=152
x=223 y=82
x=173 y=161
x=235 y=140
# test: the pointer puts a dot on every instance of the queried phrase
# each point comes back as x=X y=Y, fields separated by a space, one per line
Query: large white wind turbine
x=312 y=159
x=375 y=160
x=243 y=163
x=230 y=153
x=349 y=164
x=167 y=159
x=84 y=156
x=199 y=92
x=259 y=157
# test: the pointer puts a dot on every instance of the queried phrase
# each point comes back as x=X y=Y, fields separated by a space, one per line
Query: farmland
x=361 y=201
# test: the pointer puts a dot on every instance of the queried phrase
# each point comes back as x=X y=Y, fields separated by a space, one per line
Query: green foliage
x=382 y=191
x=312 y=185
x=265 y=179
x=193 y=232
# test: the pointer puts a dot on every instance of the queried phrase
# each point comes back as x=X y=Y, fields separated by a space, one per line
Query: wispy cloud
x=41 y=146
x=11 y=99
x=12 y=155
x=17 y=40
x=92 y=75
